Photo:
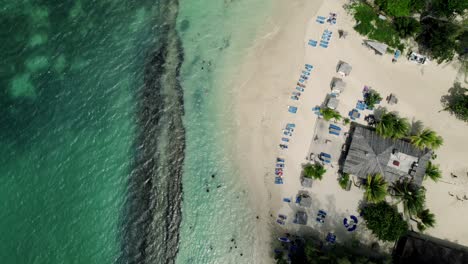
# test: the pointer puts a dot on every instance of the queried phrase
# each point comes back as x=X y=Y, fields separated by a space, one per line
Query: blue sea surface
x=108 y=111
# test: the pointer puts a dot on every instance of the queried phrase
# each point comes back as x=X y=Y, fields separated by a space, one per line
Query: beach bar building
x=337 y=85
x=343 y=68
x=395 y=160
x=424 y=249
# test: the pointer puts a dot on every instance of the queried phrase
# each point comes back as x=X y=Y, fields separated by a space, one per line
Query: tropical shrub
x=344 y=180
x=314 y=171
x=372 y=98
x=375 y=188
x=329 y=114
x=384 y=221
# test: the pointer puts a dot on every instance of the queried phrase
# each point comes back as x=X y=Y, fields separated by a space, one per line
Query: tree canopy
x=412 y=197
x=427 y=139
x=314 y=171
x=372 y=98
x=433 y=171
x=384 y=221
x=438 y=38
x=329 y=114
x=391 y=125
x=395 y=8
x=456 y=102
x=375 y=188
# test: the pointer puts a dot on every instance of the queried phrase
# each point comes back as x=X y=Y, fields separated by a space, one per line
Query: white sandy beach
x=263 y=88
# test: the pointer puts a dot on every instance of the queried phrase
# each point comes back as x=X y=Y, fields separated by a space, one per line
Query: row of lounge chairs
x=300 y=86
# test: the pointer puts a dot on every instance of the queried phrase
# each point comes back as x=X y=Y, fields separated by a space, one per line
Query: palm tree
x=427 y=139
x=392 y=126
x=375 y=188
x=433 y=171
x=329 y=114
x=314 y=171
x=401 y=127
x=427 y=218
x=413 y=198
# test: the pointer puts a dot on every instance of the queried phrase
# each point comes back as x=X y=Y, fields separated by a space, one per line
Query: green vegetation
x=329 y=114
x=433 y=172
x=314 y=171
x=406 y=26
x=456 y=102
x=372 y=98
x=427 y=139
x=437 y=32
x=395 y=8
x=344 y=180
x=384 y=221
x=375 y=188
x=391 y=125
x=346 y=121
x=439 y=39
x=426 y=219
x=412 y=197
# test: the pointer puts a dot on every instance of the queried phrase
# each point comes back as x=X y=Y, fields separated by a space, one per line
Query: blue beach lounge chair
x=335 y=127
x=292 y=109
x=323 y=46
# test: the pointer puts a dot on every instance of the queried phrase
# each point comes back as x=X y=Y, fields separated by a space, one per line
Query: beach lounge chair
x=285 y=139
x=283 y=146
x=306 y=73
x=352 y=228
x=325 y=157
x=333 y=132
x=354 y=218
x=295 y=98
x=290 y=125
x=345 y=222
x=335 y=127
x=301 y=80
x=299 y=89
x=279 y=165
x=287 y=200
x=280 y=222
x=312 y=43
x=292 y=109
x=308 y=66
x=323 y=46
x=323 y=43
x=322 y=212
x=282 y=217
x=320 y=220
x=279 y=160
x=320 y=21
x=278 y=180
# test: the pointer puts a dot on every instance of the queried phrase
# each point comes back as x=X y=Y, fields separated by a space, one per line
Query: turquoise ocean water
x=99 y=100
